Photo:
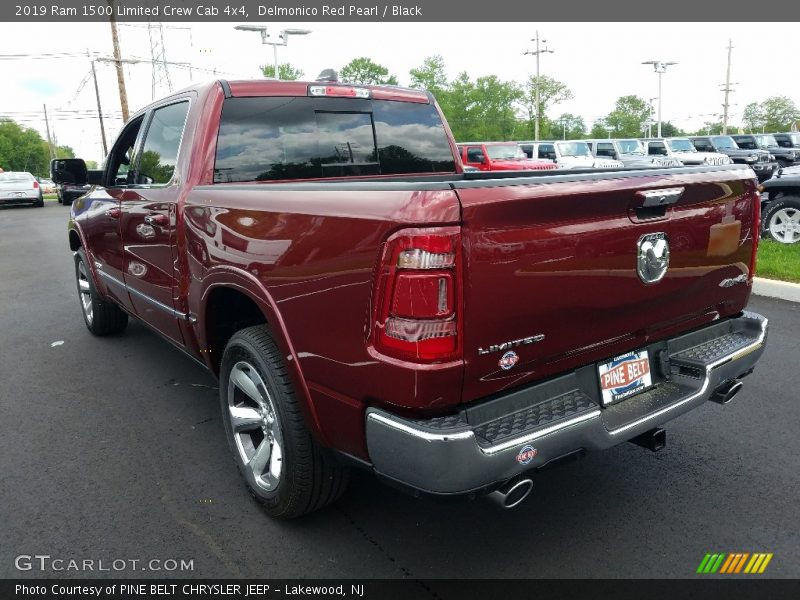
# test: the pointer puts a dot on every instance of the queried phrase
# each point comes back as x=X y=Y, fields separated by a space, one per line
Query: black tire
x=102 y=317
x=40 y=202
x=782 y=219
x=308 y=476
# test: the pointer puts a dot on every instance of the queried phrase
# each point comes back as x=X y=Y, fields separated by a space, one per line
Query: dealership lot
x=111 y=449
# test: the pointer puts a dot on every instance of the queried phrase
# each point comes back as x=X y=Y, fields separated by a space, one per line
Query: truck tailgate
x=551 y=266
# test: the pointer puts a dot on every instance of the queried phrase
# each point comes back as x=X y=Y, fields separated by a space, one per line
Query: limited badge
x=508 y=360
x=526 y=454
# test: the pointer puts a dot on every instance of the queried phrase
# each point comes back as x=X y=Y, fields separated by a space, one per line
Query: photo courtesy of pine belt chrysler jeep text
x=365 y=303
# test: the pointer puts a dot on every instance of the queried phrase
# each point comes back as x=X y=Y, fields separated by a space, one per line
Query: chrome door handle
x=157 y=220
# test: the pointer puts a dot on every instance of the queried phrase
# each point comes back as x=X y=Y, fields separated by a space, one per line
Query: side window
x=745 y=143
x=547 y=151
x=475 y=155
x=657 y=149
x=605 y=150
x=159 y=154
x=703 y=146
x=119 y=159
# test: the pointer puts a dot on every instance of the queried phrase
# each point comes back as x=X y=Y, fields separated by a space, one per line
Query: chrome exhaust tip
x=725 y=393
x=512 y=493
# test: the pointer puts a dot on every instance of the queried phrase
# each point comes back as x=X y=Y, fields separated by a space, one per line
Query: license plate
x=624 y=376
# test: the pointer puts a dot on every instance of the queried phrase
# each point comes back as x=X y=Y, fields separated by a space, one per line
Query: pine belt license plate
x=624 y=376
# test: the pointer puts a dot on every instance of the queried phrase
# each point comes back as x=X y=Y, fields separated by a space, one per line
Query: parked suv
x=568 y=155
x=787 y=140
x=780 y=206
x=500 y=156
x=756 y=159
x=682 y=149
x=785 y=157
x=631 y=153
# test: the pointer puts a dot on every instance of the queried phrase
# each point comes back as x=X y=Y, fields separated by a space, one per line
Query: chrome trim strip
x=540 y=433
x=718 y=363
x=424 y=435
x=177 y=314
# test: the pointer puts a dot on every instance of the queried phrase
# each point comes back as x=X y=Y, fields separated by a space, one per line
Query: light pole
x=660 y=67
x=283 y=36
x=536 y=53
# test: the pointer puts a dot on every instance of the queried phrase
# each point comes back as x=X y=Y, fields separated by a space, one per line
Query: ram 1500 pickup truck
x=364 y=302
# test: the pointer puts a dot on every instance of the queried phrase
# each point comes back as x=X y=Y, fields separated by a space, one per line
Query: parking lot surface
x=112 y=449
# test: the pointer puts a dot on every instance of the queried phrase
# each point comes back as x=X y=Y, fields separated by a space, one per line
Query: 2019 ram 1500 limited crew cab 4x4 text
x=364 y=302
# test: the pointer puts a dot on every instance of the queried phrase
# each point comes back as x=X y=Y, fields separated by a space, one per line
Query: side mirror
x=69 y=170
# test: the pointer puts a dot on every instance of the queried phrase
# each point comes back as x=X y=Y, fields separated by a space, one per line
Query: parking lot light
x=660 y=67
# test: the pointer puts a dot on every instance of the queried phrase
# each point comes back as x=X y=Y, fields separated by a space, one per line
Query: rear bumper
x=489 y=443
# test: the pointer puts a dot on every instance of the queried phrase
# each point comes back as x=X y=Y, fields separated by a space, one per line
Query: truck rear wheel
x=782 y=221
x=282 y=465
x=102 y=317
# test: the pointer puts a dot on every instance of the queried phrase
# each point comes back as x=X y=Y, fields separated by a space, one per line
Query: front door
x=148 y=223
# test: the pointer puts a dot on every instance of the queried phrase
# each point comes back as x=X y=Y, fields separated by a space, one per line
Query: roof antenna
x=328 y=75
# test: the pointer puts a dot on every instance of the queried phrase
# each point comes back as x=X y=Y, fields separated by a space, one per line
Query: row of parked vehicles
x=773 y=158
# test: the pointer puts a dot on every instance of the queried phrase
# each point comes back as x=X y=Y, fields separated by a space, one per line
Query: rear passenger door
x=149 y=210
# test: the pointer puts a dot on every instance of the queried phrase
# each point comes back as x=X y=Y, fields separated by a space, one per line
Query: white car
x=683 y=149
x=20 y=187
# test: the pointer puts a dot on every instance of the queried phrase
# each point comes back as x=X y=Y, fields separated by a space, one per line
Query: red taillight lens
x=35 y=184
x=756 y=232
x=417 y=314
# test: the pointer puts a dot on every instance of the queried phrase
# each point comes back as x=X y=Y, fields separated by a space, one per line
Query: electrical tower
x=158 y=57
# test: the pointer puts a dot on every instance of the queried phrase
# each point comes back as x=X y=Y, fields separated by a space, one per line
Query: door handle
x=654 y=198
x=113 y=213
x=157 y=220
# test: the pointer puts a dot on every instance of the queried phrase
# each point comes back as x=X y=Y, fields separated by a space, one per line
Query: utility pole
x=99 y=110
x=536 y=53
x=660 y=67
x=727 y=89
x=49 y=139
x=123 y=94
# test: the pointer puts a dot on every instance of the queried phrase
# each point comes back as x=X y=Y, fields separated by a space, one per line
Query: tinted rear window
x=262 y=139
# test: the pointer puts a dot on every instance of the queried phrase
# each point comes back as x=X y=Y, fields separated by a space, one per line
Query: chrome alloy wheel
x=85 y=292
x=784 y=225
x=255 y=427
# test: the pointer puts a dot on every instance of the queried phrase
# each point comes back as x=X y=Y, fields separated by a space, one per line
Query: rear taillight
x=35 y=184
x=417 y=314
x=756 y=231
x=339 y=91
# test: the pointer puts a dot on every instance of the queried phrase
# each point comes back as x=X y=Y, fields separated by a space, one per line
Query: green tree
x=567 y=126
x=285 y=70
x=753 y=117
x=551 y=92
x=91 y=164
x=628 y=117
x=23 y=149
x=669 y=130
x=780 y=113
x=459 y=108
x=599 y=129
x=494 y=108
x=364 y=71
x=430 y=75
x=65 y=152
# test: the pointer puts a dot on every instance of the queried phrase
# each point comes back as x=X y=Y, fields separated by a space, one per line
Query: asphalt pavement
x=112 y=449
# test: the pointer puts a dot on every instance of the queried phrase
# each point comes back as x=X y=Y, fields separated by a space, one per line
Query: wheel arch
x=232 y=300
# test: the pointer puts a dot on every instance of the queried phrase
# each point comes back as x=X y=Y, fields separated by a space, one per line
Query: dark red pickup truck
x=365 y=303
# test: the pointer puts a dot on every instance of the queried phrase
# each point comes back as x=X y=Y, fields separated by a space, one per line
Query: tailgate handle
x=653 y=198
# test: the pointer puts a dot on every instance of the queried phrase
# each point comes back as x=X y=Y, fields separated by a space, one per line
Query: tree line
x=24 y=149
x=488 y=108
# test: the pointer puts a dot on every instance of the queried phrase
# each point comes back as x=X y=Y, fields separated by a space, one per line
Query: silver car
x=18 y=187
